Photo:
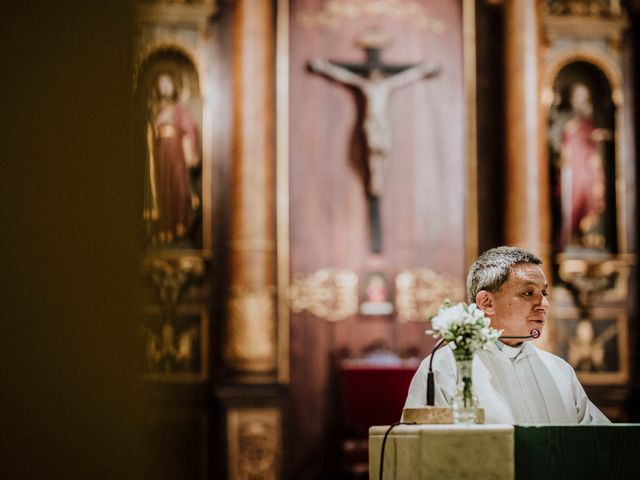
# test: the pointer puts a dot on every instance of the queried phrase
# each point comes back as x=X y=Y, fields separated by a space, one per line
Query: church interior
x=229 y=221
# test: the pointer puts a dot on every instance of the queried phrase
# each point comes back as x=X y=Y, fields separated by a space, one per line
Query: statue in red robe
x=581 y=185
x=172 y=140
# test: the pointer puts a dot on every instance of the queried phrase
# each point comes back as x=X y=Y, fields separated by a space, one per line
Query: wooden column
x=527 y=208
x=250 y=344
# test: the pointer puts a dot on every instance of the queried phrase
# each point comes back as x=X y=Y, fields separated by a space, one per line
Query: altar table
x=505 y=452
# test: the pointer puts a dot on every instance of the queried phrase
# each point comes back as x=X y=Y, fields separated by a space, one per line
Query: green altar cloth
x=577 y=452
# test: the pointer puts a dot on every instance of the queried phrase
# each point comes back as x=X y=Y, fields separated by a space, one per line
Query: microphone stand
x=430 y=381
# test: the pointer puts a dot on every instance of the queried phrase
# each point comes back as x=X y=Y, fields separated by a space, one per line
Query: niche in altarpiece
x=168 y=111
x=581 y=140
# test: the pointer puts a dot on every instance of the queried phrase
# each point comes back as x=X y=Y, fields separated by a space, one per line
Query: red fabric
x=581 y=157
x=373 y=395
x=170 y=171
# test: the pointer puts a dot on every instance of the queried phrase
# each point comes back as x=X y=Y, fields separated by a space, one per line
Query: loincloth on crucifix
x=375 y=81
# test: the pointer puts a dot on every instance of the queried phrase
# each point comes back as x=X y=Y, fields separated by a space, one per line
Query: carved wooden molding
x=333 y=13
x=254 y=443
x=176 y=349
x=170 y=274
x=592 y=279
x=583 y=8
x=194 y=13
x=167 y=44
x=592 y=20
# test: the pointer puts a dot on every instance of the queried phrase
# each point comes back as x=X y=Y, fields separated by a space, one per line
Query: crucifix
x=375 y=81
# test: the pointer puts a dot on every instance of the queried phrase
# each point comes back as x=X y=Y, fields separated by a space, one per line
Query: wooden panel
x=423 y=208
x=580 y=452
x=424 y=204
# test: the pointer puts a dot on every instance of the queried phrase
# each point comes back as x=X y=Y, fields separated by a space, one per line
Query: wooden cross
x=375 y=81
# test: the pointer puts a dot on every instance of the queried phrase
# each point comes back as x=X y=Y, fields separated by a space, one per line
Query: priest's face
x=520 y=304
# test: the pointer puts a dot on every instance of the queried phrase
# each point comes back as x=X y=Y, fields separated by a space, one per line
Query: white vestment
x=533 y=386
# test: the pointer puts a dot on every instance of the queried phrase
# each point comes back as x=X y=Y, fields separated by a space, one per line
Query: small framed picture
x=596 y=347
x=175 y=345
x=376 y=295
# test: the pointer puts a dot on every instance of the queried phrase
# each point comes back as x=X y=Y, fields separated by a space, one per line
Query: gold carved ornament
x=420 y=292
x=257 y=455
x=595 y=279
x=334 y=12
x=170 y=350
x=329 y=293
x=254 y=449
x=183 y=14
x=586 y=349
x=178 y=2
x=583 y=8
x=170 y=275
x=251 y=330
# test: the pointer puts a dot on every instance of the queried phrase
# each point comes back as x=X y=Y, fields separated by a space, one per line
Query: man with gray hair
x=515 y=381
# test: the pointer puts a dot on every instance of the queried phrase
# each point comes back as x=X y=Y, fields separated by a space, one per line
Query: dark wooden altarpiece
x=282 y=281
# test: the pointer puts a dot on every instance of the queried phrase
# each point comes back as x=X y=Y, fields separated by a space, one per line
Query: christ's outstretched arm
x=423 y=70
x=336 y=72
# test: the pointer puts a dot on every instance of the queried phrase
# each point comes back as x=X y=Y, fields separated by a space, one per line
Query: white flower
x=447 y=316
x=463 y=326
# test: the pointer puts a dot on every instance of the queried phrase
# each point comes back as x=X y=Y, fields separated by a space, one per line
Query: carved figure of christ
x=376 y=89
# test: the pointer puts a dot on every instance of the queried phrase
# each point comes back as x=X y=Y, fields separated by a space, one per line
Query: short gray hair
x=492 y=268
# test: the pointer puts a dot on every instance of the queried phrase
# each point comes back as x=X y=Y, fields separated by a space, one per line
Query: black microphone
x=535 y=333
x=430 y=382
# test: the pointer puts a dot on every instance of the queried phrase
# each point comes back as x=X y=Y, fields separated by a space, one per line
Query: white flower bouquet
x=464 y=327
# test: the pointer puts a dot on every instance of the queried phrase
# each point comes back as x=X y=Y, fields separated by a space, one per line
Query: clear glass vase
x=465 y=403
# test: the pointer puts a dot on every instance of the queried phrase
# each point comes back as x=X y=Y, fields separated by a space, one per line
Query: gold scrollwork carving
x=251 y=330
x=179 y=2
x=331 y=294
x=583 y=8
x=254 y=443
x=334 y=12
x=419 y=293
x=185 y=14
x=257 y=455
x=169 y=347
x=169 y=275
x=176 y=347
x=169 y=43
x=597 y=278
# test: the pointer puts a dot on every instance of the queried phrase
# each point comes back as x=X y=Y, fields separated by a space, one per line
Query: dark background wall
x=490 y=124
x=69 y=402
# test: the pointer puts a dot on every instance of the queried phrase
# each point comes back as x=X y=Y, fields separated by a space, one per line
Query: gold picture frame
x=597 y=347
x=176 y=345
